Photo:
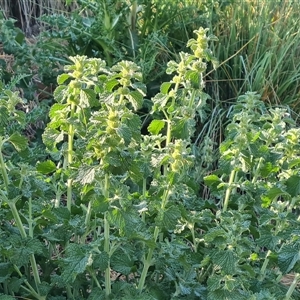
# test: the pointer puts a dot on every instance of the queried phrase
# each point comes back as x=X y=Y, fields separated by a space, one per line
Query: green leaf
x=136 y=99
x=62 y=78
x=76 y=261
x=51 y=137
x=92 y=97
x=121 y=262
x=164 y=88
x=226 y=260
x=86 y=175
x=268 y=168
x=110 y=84
x=20 y=36
x=212 y=181
x=156 y=126
x=19 y=141
x=288 y=256
x=267 y=239
x=271 y=195
x=170 y=217
x=124 y=132
x=227 y=295
x=294 y=163
x=46 y=167
x=215 y=233
x=96 y=294
x=23 y=248
x=101 y=261
x=6 y=269
x=57 y=109
x=293 y=185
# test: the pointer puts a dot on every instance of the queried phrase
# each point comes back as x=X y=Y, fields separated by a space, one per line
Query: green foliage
x=115 y=213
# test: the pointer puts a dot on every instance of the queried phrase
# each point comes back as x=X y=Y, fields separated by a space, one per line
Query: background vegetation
x=227 y=117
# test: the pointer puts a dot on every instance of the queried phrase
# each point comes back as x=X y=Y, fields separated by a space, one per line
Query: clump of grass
x=258 y=50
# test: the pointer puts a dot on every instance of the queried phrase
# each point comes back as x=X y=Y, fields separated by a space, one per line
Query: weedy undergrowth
x=116 y=214
x=128 y=186
x=255 y=241
x=117 y=195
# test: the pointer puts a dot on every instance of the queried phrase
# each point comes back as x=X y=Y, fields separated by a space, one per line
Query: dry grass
x=28 y=12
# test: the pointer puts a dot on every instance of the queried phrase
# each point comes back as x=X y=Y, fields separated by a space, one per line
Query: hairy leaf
x=226 y=260
x=46 y=167
x=19 y=141
x=76 y=261
x=156 y=126
x=293 y=185
x=288 y=256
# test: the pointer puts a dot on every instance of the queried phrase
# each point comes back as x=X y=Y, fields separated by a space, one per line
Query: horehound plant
x=13 y=184
x=130 y=187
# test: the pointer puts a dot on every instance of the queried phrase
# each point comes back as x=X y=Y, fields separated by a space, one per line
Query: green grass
x=258 y=50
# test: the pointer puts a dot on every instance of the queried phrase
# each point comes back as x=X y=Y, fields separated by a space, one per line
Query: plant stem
x=264 y=266
x=3 y=168
x=256 y=171
x=144 y=196
x=148 y=260
x=107 y=240
x=32 y=257
x=70 y=157
x=229 y=189
x=30 y=288
x=292 y=287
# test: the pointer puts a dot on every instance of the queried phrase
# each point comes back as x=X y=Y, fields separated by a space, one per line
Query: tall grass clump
x=258 y=50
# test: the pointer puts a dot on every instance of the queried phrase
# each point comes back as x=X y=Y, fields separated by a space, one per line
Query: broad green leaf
x=169 y=218
x=62 y=78
x=51 y=137
x=227 y=295
x=215 y=233
x=92 y=97
x=267 y=238
x=124 y=132
x=136 y=99
x=19 y=141
x=121 y=262
x=293 y=185
x=101 y=261
x=76 y=260
x=164 y=88
x=212 y=180
x=160 y=101
x=288 y=256
x=271 y=195
x=61 y=213
x=156 y=126
x=226 y=260
x=294 y=163
x=60 y=93
x=86 y=175
x=110 y=84
x=268 y=168
x=46 y=167
x=23 y=248
x=96 y=294
x=6 y=269
x=100 y=204
x=20 y=36
x=57 y=110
